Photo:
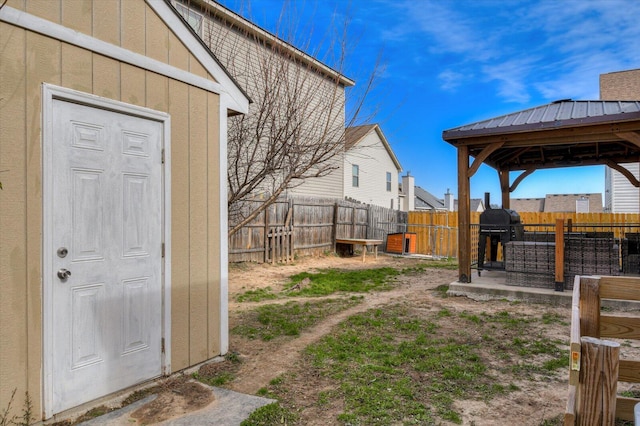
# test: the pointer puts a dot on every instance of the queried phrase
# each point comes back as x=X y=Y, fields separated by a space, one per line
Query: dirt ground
x=534 y=403
x=176 y=396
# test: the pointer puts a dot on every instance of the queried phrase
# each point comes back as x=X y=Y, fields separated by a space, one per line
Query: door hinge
x=162 y=250
x=162 y=156
x=162 y=345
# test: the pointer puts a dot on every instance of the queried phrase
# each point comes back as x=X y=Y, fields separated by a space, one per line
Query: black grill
x=498 y=226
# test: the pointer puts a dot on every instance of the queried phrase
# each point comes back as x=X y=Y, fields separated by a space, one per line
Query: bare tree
x=295 y=128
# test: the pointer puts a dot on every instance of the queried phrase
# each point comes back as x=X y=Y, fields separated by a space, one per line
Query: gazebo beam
x=521 y=177
x=633 y=137
x=625 y=172
x=484 y=154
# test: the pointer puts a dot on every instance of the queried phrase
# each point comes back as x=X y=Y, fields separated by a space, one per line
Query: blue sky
x=446 y=63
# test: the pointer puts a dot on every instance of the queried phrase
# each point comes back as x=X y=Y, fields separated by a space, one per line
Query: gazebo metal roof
x=560 y=134
x=564 y=133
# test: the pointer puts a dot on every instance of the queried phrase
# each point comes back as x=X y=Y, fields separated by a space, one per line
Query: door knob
x=63 y=274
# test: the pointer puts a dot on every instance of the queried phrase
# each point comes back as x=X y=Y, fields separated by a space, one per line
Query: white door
x=107 y=233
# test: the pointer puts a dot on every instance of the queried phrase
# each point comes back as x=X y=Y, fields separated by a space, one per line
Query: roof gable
x=425 y=200
x=475 y=205
x=355 y=134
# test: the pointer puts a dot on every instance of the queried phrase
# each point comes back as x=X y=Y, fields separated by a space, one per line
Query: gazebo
x=564 y=133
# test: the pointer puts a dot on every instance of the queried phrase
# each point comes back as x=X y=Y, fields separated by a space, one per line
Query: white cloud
x=450 y=80
x=529 y=49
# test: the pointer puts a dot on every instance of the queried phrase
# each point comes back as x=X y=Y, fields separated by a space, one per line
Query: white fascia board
x=223 y=320
x=388 y=148
x=238 y=100
x=59 y=32
x=385 y=143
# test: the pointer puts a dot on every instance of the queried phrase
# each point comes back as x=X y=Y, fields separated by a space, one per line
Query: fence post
x=335 y=226
x=353 y=222
x=266 y=235
x=559 y=255
x=599 y=381
x=370 y=227
x=274 y=243
x=589 y=306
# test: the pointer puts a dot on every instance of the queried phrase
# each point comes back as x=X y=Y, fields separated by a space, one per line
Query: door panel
x=107 y=212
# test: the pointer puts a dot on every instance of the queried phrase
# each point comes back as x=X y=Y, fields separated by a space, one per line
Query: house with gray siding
x=243 y=48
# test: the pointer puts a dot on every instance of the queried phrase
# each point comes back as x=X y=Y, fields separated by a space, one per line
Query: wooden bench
x=363 y=242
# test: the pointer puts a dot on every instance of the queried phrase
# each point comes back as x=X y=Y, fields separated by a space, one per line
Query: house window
x=194 y=19
x=389 y=182
x=355 y=176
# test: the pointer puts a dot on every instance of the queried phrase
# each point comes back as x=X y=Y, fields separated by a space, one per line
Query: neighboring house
x=236 y=41
x=560 y=203
x=370 y=167
x=113 y=247
x=475 y=205
x=426 y=201
x=527 y=204
x=621 y=196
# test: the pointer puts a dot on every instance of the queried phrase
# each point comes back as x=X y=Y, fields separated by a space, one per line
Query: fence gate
x=279 y=245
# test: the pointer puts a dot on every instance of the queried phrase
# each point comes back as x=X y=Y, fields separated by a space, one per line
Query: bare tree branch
x=295 y=129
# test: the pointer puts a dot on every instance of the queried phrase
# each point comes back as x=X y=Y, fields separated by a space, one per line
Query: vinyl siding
x=246 y=59
x=621 y=195
x=374 y=162
x=28 y=60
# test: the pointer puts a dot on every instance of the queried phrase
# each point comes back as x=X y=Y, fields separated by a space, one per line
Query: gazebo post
x=464 y=216
x=504 y=188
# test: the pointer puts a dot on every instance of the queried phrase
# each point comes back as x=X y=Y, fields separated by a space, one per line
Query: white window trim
x=191 y=14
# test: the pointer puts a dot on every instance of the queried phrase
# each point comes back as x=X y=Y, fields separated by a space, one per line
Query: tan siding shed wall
x=30 y=59
x=13 y=213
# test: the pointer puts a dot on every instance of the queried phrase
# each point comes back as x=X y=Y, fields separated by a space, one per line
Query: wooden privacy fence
x=437 y=231
x=595 y=365
x=304 y=226
x=316 y=223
